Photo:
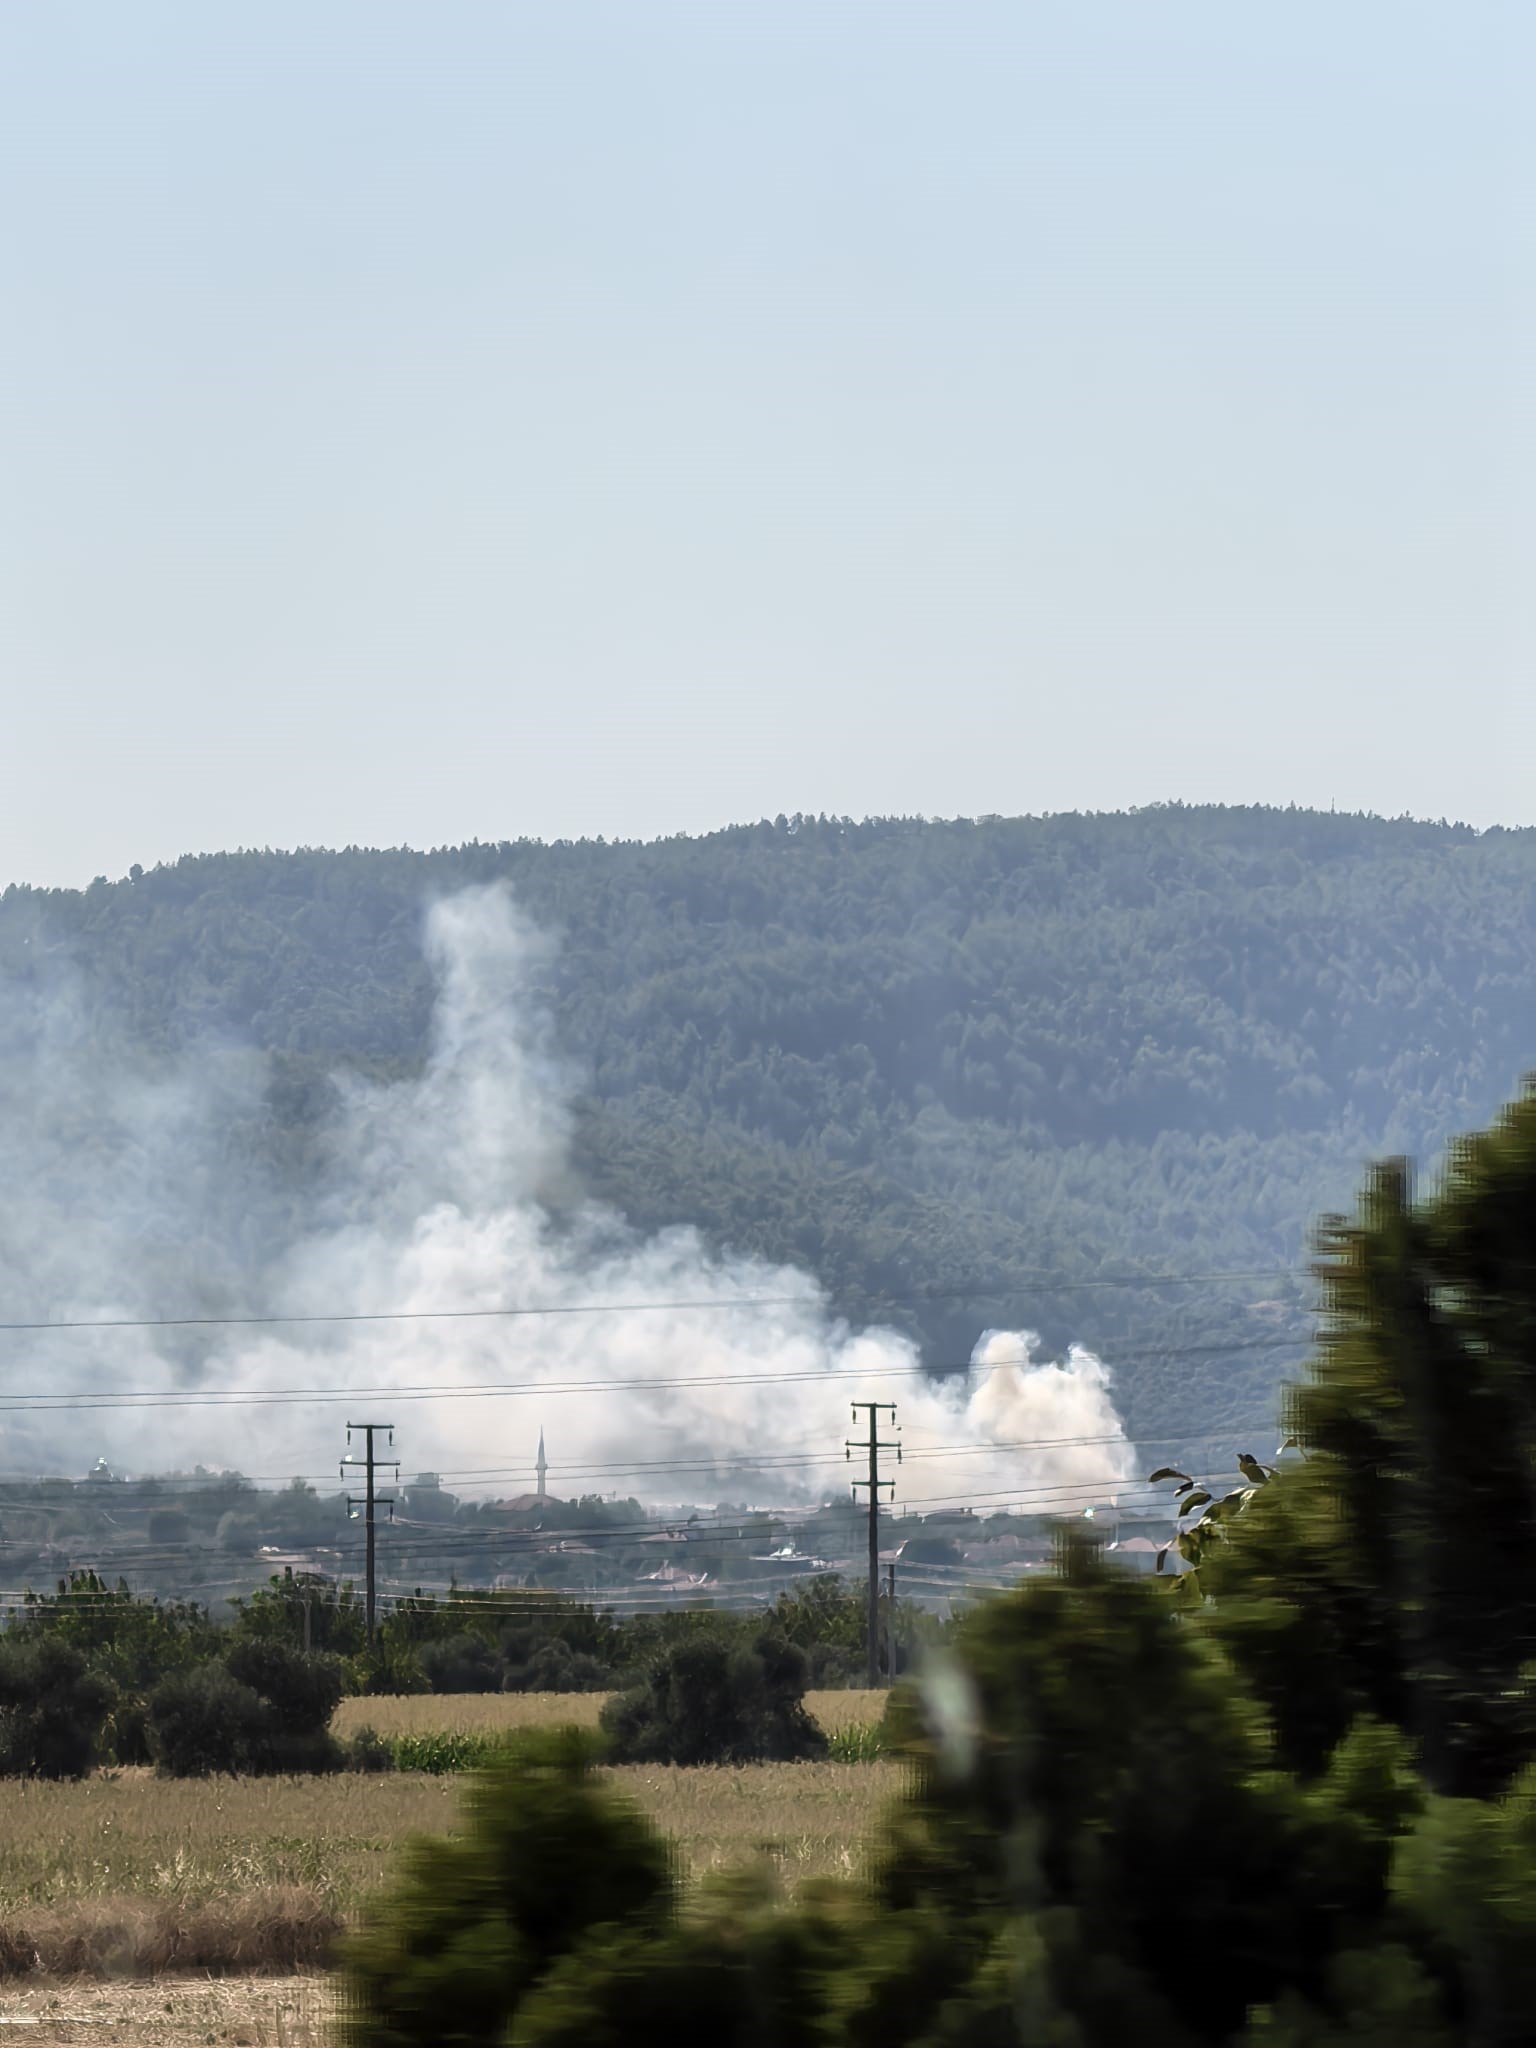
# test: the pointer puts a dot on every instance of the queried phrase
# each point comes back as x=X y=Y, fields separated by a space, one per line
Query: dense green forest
x=950 y=1067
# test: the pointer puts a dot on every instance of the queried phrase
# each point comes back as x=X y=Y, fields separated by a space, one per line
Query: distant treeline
x=212 y=1538
x=92 y=1675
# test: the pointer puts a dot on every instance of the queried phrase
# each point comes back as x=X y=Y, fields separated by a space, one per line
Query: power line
x=711 y=1535
x=236 y=1397
x=39 y=1495
x=707 y=1532
x=713 y=1531
x=530 y=1543
x=1041 y=1283
x=727 y=1465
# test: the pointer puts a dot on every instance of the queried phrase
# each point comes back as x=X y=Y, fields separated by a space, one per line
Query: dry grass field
x=191 y=1845
x=489 y=1713
x=185 y=1892
x=190 y=1841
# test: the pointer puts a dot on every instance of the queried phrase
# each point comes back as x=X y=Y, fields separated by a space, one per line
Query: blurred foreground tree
x=547 y=1854
x=1297 y=1812
x=1391 y=1573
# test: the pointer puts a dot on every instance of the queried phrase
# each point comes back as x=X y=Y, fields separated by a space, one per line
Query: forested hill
x=928 y=1060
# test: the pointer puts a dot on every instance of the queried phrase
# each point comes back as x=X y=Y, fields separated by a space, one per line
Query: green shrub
x=709 y=1702
x=131 y=1643
x=266 y=1710
x=301 y=1688
x=553 y=1666
x=463 y=1663
x=125 y=1732
x=52 y=1707
x=388 y=1669
x=738 y=1973
x=205 y=1721
x=904 y=1720
x=547 y=1855
x=1467 y=1874
x=834 y=1668
x=856 y=1745
x=368 y=1751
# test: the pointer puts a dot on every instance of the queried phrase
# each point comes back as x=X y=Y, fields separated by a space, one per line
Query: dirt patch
x=173 y=2012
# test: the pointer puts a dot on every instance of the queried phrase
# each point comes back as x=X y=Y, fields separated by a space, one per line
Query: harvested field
x=810 y=1820
x=137 y=1909
x=133 y=1875
x=489 y=1713
x=189 y=1841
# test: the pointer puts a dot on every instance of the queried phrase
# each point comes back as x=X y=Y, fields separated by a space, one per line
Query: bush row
x=262 y=1709
x=266 y=1708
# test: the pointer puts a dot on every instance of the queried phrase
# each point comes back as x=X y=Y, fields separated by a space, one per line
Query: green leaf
x=1197 y=1499
x=1229 y=1504
x=1169 y=1472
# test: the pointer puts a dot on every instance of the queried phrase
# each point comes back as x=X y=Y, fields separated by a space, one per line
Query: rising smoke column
x=437 y=1194
x=1029 y=1432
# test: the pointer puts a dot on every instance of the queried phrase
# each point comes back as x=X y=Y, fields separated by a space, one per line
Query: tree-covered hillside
x=949 y=1066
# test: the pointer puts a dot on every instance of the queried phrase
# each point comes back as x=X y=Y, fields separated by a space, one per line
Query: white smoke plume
x=452 y=1191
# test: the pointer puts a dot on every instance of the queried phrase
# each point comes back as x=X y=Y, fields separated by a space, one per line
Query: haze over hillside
x=968 y=1075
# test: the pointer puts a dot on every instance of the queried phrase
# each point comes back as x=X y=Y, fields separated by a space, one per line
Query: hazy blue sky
x=435 y=421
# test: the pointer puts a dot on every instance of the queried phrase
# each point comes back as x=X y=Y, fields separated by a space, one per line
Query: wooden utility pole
x=874 y=1482
x=369 y=1501
x=890 y=1622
